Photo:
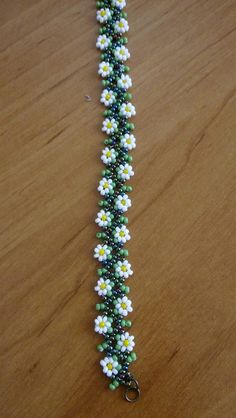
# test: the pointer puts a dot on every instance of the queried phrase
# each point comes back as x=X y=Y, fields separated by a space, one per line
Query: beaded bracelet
x=111 y=322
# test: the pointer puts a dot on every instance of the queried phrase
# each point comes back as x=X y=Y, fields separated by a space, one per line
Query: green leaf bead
x=109 y=293
x=128 y=96
x=117 y=347
x=133 y=356
x=99 y=272
x=112 y=387
x=104 y=271
x=117 y=337
x=127 y=69
x=115 y=383
x=123 y=287
x=98 y=235
x=115 y=358
x=126 y=253
x=104 y=83
x=132 y=126
x=127 y=290
x=118 y=367
x=98 y=306
x=126 y=221
x=129 y=188
x=102 y=306
x=104 y=345
x=123 y=322
x=100 y=348
x=110 y=330
x=128 y=323
x=129 y=359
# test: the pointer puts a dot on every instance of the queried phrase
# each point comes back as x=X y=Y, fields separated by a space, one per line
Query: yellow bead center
x=109 y=366
x=104 y=217
x=124 y=268
x=125 y=171
x=103 y=13
x=103 y=286
x=127 y=108
x=102 y=251
x=106 y=186
x=121 y=24
x=108 y=154
x=108 y=96
x=105 y=68
x=128 y=141
x=122 y=52
x=102 y=324
x=126 y=343
x=123 y=305
x=109 y=125
x=122 y=234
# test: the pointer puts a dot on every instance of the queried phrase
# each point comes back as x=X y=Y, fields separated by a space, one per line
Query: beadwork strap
x=115 y=305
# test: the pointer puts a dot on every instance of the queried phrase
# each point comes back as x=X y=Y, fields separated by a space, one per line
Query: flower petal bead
x=128 y=141
x=122 y=234
x=101 y=252
x=103 y=42
x=109 y=366
x=126 y=342
x=119 y=3
x=109 y=126
x=102 y=324
x=121 y=26
x=108 y=155
x=124 y=306
x=103 y=15
x=123 y=268
x=125 y=171
x=103 y=218
x=123 y=202
x=124 y=82
x=103 y=286
x=105 y=69
x=127 y=110
x=122 y=53
x=108 y=97
x=105 y=186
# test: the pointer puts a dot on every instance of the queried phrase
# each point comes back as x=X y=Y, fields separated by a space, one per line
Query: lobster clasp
x=132 y=392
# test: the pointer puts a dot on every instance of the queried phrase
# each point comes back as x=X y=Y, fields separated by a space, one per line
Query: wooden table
x=182 y=220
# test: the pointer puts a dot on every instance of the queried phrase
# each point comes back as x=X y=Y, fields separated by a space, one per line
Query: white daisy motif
x=102 y=287
x=125 y=171
x=105 y=69
x=109 y=126
x=119 y=3
x=124 y=306
x=126 y=342
x=123 y=268
x=121 y=26
x=107 y=97
x=109 y=366
x=122 y=53
x=101 y=252
x=102 y=324
x=103 y=218
x=103 y=15
x=105 y=186
x=123 y=202
x=128 y=141
x=108 y=155
x=127 y=110
x=124 y=82
x=103 y=42
x=122 y=234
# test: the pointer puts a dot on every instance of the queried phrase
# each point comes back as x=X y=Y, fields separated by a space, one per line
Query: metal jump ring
x=133 y=389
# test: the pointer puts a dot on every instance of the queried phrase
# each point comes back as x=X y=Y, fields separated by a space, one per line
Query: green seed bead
x=100 y=203
x=98 y=307
x=102 y=306
x=117 y=347
x=132 y=126
x=115 y=357
x=127 y=69
x=128 y=323
x=100 y=348
x=104 y=345
x=119 y=367
x=133 y=356
x=130 y=158
x=109 y=257
x=125 y=40
x=101 y=30
x=102 y=57
x=117 y=337
x=126 y=221
x=124 y=14
x=127 y=290
x=104 y=83
x=109 y=293
x=112 y=387
x=115 y=383
x=123 y=322
x=104 y=271
x=129 y=359
x=99 y=235
x=128 y=96
x=126 y=253
x=99 y=272
x=110 y=330
x=129 y=188
x=123 y=287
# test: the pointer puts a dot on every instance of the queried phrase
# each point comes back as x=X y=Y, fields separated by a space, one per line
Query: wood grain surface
x=182 y=221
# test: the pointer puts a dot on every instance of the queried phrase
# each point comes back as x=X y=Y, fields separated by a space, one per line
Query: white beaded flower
x=103 y=15
x=126 y=342
x=105 y=69
x=109 y=125
x=109 y=366
x=119 y=3
x=108 y=155
x=101 y=252
x=105 y=186
x=102 y=287
x=127 y=110
x=123 y=202
x=123 y=268
x=122 y=53
x=102 y=324
x=124 y=82
x=121 y=26
x=128 y=141
x=103 y=218
x=107 y=97
x=122 y=234
x=125 y=171
x=103 y=42
x=124 y=305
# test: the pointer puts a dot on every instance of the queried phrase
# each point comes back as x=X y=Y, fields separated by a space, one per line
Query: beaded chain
x=112 y=321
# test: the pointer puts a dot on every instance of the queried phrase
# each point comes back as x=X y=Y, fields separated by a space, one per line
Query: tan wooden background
x=182 y=220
